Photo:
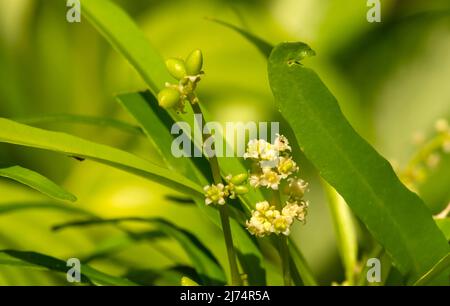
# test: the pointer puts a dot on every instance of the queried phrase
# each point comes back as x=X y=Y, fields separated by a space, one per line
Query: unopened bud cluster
x=272 y=167
x=187 y=72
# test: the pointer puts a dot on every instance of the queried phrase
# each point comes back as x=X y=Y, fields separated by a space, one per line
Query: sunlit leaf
x=37 y=182
x=20 y=134
x=124 y=35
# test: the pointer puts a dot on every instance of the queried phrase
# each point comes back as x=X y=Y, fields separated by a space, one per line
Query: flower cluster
x=273 y=167
x=272 y=162
x=217 y=194
x=267 y=219
x=188 y=73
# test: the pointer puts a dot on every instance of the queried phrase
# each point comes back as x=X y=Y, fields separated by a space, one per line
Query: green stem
x=283 y=245
x=223 y=211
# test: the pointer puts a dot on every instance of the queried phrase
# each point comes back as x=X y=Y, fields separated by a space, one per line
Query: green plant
x=357 y=175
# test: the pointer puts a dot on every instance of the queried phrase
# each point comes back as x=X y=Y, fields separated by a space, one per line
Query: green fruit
x=176 y=68
x=168 y=98
x=239 y=179
x=194 y=62
x=241 y=189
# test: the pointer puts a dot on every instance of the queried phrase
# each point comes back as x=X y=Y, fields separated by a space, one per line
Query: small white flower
x=296 y=210
x=281 y=143
x=286 y=166
x=214 y=194
x=260 y=149
x=282 y=224
x=262 y=206
x=270 y=179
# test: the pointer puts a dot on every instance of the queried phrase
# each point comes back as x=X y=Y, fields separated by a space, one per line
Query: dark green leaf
x=364 y=178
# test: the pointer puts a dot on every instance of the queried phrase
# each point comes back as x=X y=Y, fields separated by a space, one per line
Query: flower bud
x=241 y=189
x=239 y=179
x=168 y=98
x=296 y=188
x=176 y=68
x=194 y=62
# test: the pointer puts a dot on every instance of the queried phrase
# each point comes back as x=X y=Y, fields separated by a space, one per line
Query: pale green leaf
x=16 y=133
x=37 y=182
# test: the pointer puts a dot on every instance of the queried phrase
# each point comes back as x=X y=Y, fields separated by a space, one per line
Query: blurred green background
x=392 y=80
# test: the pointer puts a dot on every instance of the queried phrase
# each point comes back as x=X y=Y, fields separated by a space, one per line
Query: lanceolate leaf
x=124 y=35
x=395 y=216
x=37 y=181
x=202 y=259
x=16 y=133
x=33 y=259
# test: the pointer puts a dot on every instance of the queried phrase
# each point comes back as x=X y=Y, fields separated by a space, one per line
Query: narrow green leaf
x=82 y=119
x=37 y=182
x=16 y=133
x=441 y=266
x=124 y=35
x=365 y=179
x=264 y=47
x=203 y=260
x=345 y=231
x=88 y=274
